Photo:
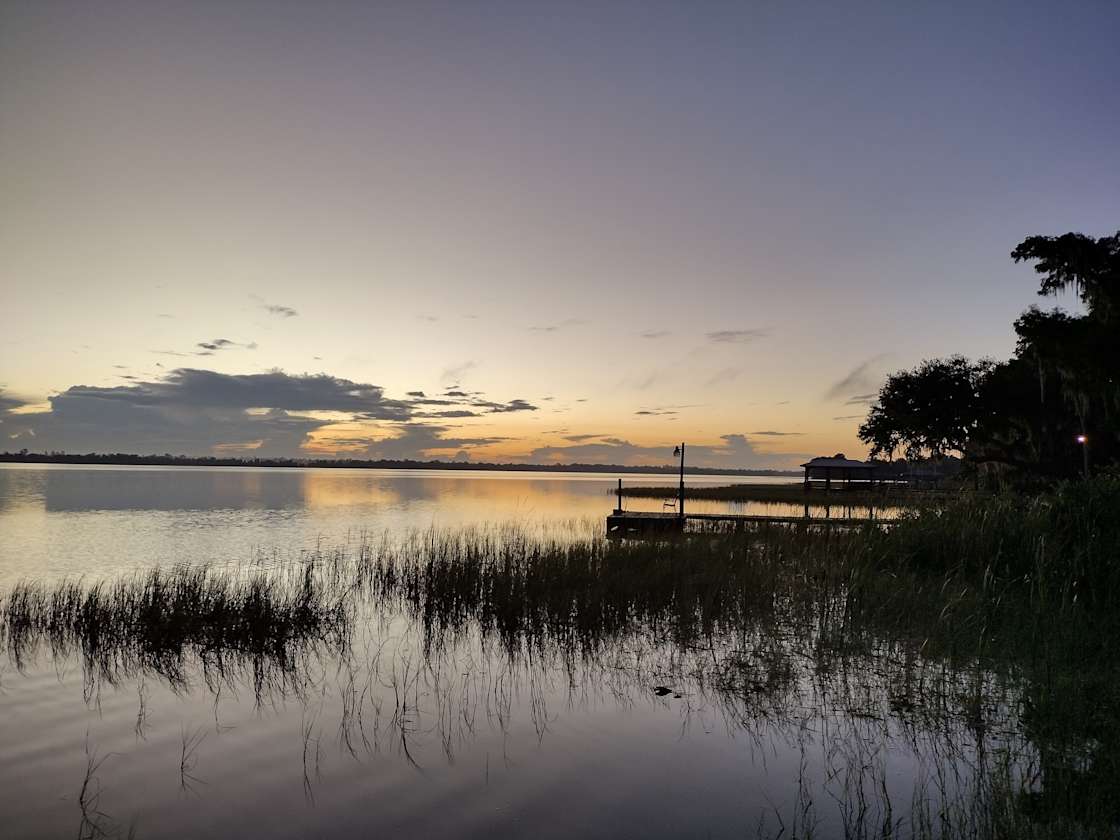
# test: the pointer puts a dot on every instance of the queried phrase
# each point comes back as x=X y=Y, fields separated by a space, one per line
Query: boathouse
x=822 y=472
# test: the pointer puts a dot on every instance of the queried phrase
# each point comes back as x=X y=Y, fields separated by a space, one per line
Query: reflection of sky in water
x=68 y=519
x=466 y=743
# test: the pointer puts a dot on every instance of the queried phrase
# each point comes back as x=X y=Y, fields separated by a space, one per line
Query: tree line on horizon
x=1050 y=411
x=25 y=456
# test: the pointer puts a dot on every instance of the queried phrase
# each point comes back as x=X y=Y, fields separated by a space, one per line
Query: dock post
x=680 y=505
x=619 y=491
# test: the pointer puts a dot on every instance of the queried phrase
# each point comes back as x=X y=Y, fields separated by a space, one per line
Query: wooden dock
x=638 y=523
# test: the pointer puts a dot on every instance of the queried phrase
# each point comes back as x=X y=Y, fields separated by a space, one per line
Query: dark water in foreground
x=637 y=732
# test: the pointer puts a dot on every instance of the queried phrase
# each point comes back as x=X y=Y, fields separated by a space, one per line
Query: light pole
x=1084 y=441
x=680 y=499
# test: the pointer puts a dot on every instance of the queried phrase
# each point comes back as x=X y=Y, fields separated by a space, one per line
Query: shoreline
x=126 y=460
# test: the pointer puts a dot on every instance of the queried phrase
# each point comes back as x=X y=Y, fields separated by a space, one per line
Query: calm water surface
x=64 y=520
x=632 y=735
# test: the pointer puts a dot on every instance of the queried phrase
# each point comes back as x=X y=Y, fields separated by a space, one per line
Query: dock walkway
x=621 y=523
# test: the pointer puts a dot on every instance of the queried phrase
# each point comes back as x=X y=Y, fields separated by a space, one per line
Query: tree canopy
x=929 y=411
x=1026 y=413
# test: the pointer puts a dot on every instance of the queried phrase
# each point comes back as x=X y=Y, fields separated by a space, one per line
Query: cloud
x=725 y=375
x=424 y=442
x=849 y=417
x=449 y=413
x=653 y=334
x=273 y=308
x=9 y=403
x=659 y=410
x=455 y=373
x=216 y=344
x=568 y=322
x=779 y=434
x=504 y=408
x=861 y=399
x=735 y=451
x=582 y=438
x=192 y=411
x=860 y=378
x=738 y=336
x=210 y=347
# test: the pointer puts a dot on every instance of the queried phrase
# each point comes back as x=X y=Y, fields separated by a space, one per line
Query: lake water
x=65 y=520
x=627 y=733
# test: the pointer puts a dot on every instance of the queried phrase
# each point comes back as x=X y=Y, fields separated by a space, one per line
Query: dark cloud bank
x=200 y=412
x=195 y=412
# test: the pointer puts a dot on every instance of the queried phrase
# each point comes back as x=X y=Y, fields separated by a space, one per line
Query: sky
x=534 y=232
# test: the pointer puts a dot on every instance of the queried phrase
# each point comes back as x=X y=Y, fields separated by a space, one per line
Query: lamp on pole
x=1083 y=439
x=680 y=499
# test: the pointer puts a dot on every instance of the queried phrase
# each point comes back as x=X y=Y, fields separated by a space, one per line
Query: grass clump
x=157 y=619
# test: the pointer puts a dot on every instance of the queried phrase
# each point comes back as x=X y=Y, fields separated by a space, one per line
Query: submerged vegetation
x=157 y=620
x=989 y=621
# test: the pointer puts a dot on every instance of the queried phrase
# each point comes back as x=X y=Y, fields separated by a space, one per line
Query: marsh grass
x=224 y=618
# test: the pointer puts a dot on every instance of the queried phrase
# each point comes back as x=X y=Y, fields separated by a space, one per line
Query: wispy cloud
x=504 y=408
x=209 y=348
x=274 y=308
x=861 y=378
x=456 y=372
x=568 y=322
x=738 y=336
x=655 y=334
x=779 y=434
x=861 y=399
x=723 y=376
x=663 y=410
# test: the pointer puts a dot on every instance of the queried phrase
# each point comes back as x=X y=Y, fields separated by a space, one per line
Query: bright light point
x=1082 y=439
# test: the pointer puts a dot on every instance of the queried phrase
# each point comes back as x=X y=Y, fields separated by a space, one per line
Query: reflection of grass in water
x=983 y=615
x=157 y=620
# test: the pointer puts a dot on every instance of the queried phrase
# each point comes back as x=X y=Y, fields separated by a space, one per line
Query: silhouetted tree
x=1027 y=413
x=929 y=411
x=1091 y=267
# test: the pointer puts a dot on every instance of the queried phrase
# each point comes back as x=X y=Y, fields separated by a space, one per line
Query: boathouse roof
x=840 y=461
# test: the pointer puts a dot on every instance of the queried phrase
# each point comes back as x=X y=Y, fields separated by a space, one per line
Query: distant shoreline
x=126 y=460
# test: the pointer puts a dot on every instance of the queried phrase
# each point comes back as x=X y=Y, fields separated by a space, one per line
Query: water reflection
x=478 y=683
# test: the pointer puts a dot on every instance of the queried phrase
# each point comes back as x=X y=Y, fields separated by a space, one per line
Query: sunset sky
x=525 y=231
